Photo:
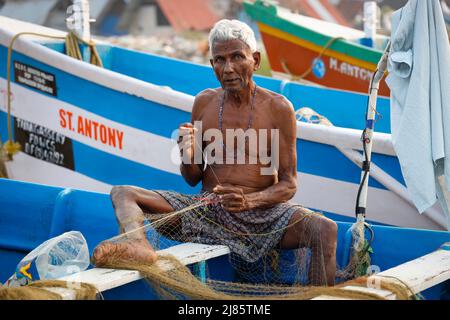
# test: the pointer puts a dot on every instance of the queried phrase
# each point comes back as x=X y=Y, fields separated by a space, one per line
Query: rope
x=72 y=49
x=41 y=290
x=308 y=71
x=179 y=282
x=166 y=217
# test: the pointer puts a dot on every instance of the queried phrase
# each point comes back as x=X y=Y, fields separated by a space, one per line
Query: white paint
x=339 y=197
x=19 y=26
x=137 y=142
x=84 y=29
x=317 y=192
x=343 y=137
x=29 y=169
x=419 y=274
x=105 y=77
x=370 y=19
x=324 y=27
x=138 y=145
x=381 y=293
x=106 y=279
x=350 y=70
x=328 y=28
x=434 y=213
x=189 y=253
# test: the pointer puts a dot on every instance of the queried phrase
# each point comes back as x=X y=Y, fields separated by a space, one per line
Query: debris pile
x=192 y=48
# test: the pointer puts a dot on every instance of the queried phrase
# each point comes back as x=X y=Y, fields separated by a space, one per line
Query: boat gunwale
x=163 y=95
x=104 y=77
x=274 y=20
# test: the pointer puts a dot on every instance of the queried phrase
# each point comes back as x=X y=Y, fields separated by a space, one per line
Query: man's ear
x=257 y=59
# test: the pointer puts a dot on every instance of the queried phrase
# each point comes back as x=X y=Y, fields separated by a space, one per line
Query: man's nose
x=228 y=68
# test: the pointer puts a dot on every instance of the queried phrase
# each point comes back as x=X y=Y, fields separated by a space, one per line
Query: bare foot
x=135 y=250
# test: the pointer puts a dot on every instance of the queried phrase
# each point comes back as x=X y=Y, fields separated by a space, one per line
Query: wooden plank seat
x=418 y=274
x=105 y=279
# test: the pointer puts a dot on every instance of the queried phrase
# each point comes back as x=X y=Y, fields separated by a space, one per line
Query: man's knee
x=122 y=193
x=329 y=232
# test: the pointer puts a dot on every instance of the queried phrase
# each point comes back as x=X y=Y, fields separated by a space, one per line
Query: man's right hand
x=186 y=142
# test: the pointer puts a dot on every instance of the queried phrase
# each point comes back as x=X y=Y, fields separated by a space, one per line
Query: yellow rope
x=308 y=71
x=72 y=49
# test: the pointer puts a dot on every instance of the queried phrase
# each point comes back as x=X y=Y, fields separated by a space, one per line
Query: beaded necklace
x=250 y=117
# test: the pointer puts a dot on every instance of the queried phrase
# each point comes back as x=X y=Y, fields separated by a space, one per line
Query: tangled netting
x=49 y=290
x=299 y=273
x=295 y=274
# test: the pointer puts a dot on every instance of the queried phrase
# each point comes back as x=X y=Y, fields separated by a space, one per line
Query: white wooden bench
x=105 y=279
x=418 y=274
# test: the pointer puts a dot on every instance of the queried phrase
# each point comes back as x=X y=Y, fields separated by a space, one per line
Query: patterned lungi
x=249 y=234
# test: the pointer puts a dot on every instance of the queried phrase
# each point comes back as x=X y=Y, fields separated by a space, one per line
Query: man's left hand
x=232 y=198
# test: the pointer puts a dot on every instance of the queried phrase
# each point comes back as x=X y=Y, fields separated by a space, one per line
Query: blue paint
x=389 y=164
x=368 y=42
x=179 y=75
x=314 y=158
x=60 y=213
x=370 y=124
x=114 y=105
x=104 y=51
x=110 y=169
x=31 y=213
x=200 y=271
x=343 y=109
x=318 y=68
x=118 y=106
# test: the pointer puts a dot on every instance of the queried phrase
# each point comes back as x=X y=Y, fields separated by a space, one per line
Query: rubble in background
x=193 y=48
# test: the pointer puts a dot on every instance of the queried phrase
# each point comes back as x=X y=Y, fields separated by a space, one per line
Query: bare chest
x=240 y=130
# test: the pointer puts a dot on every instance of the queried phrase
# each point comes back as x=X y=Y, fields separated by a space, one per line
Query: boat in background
x=328 y=54
x=89 y=128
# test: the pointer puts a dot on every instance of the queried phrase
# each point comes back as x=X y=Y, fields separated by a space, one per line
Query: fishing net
x=252 y=238
x=268 y=259
x=359 y=260
x=48 y=290
x=284 y=274
x=297 y=273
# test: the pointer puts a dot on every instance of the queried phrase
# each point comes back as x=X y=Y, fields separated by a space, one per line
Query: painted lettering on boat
x=44 y=144
x=350 y=70
x=34 y=78
x=91 y=129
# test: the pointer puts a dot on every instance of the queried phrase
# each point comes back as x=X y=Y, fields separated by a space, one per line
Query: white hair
x=225 y=30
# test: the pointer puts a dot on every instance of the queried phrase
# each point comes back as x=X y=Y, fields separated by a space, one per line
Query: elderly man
x=251 y=200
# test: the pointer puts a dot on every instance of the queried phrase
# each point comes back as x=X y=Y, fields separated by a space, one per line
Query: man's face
x=234 y=63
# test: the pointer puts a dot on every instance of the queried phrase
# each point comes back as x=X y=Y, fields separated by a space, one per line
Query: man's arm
x=284 y=117
x=192 y=172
